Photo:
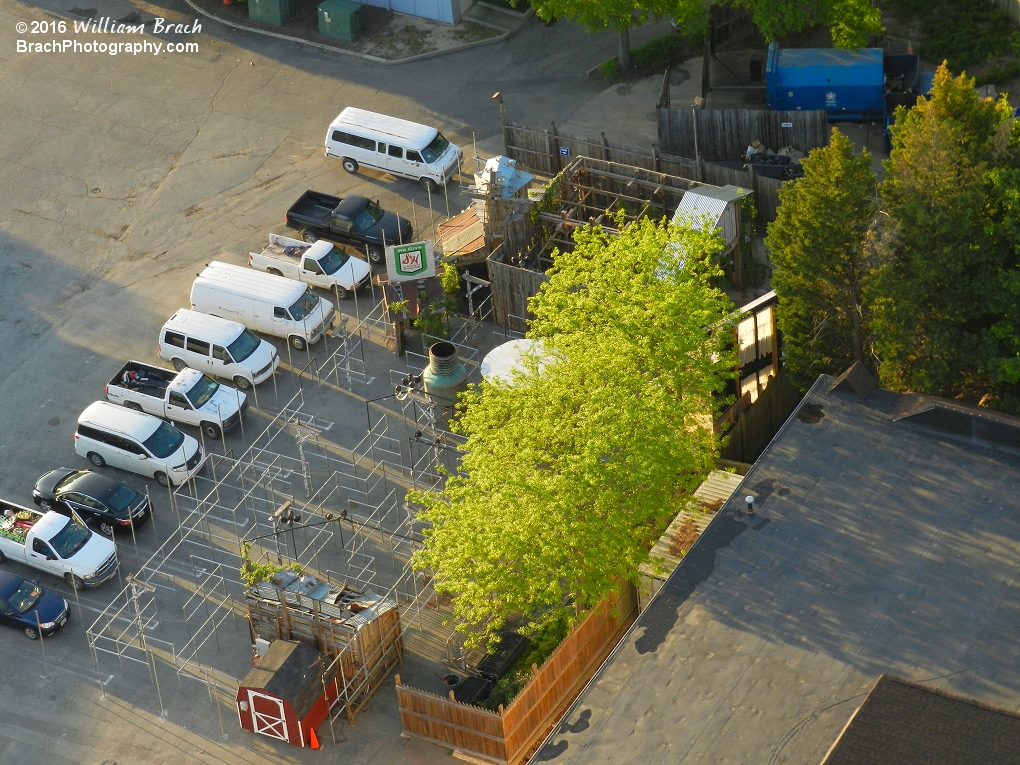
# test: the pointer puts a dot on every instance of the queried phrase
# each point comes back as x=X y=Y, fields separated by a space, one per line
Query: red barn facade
x=287 y=694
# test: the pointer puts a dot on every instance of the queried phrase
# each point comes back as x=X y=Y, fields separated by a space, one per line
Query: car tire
x=162 y=479
x=376 y=254
x=298 y=343
x=96 y=459
x=179 y=364
x=274 y=271
x=212 y=431
x=429 y=185
x=31 y=633
x=133 y=405
x=76 y=582
x=243 y=383
x=46 y=505
x=340 y=292
x=309 y=236
x=350 y=165
x=105 y=528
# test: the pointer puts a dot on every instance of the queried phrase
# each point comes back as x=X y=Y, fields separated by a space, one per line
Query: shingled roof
x=906 y=723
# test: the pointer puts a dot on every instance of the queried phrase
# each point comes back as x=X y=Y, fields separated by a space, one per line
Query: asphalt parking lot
x=119 y=177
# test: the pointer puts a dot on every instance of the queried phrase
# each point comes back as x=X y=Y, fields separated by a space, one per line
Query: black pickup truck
x=348 y=220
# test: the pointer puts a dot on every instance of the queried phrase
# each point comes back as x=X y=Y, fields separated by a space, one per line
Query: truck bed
x=314 y=207
x=152 y=381
x=279 y=246
x=15 y=526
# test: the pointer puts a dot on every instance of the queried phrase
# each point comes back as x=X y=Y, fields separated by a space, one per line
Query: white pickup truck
x=187 y=396
x=321 y=264
x=56 y=544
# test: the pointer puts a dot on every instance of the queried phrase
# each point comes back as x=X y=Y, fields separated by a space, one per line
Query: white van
x=217 y=347
x=419 y=152
x=120 y=437
x=272 y=304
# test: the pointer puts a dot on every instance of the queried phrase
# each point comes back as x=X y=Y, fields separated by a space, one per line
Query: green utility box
x=340 y=19
x=275 y=12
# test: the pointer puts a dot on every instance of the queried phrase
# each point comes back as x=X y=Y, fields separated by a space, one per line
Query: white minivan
x=218 y=347
x=140 y=443
x=419 y=152
x=275 y=305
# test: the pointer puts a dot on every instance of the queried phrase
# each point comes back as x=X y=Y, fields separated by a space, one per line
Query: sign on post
x=410 y=261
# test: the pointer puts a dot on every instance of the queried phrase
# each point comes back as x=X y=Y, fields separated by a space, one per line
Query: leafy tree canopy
x=572 y=469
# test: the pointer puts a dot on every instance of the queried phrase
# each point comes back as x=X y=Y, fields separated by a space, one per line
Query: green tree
x=817 y=245
x=573 y=468
x=946 y=254
x=852 y=23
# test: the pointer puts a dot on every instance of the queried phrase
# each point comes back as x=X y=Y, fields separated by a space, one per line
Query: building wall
x=1011 y=8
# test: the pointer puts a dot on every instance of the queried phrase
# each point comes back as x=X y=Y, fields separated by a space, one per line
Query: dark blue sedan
x=28 y=607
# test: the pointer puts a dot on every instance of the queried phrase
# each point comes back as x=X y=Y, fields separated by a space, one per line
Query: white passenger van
x=272 y=304
x=419 y=152
x=120 y=437
x=217 y=347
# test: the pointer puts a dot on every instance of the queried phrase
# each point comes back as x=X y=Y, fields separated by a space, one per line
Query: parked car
x=28 y=607
x=322 y=264
x=350 y=220
x=186 y=396
x=110 y=504
x=56 y=544
x=137 y=442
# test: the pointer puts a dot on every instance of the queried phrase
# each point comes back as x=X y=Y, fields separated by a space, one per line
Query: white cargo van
x=217 y=347
x=120 y=437
x=272 y=304
x=420 y=152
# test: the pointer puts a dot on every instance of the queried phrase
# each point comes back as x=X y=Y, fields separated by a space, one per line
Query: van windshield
x=202 y=391
x=165 y=441
x=334 y=260
x=244 y=346
x=368 y=217
x=436 y=149
x=304 y=306
x=70 y=539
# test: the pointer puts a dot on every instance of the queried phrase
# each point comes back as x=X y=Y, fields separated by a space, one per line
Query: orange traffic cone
x=313 y=739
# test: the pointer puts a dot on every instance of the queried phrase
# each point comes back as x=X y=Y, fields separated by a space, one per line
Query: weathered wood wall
x=724 y=134
x=757 y=425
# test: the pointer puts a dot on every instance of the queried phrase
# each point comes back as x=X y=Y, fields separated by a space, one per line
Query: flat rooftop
x=877 y=546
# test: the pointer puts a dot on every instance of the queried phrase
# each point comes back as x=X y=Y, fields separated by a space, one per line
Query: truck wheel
x=76 y=582
x=297 y=343
x=179 y=364
x=211 y=430
x=96 y=459
x=242 y=382
x=162 y=479
x=133 y=405
x=376 y=254
x=429 y=185
x=350 y=165
x=274 y=271
x=309 y=236
x=340 y=292
x=31 y=633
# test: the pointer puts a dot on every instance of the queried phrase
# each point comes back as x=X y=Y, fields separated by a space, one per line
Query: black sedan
x=28 y=607
x=92 y=497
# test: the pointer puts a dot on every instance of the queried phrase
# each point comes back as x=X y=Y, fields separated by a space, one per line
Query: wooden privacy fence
x=724 y=134
x=760 y=421
x=507 y=736
x=511 y=287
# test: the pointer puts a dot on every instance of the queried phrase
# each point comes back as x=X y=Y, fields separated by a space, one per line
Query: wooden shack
x=288 y=693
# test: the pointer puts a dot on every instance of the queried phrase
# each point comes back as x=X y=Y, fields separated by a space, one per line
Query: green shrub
x=657 y=52
x=545 y=641
x=610 y=70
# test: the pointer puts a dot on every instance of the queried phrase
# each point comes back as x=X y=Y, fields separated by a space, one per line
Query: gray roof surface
x=877 y=547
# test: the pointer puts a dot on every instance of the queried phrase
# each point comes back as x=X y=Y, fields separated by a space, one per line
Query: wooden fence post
x=555 y=164
x=655 y=158
x=605 y=147
x=498 y=98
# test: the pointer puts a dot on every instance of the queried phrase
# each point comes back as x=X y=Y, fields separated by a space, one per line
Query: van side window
x=198 y=346
x=354 y=140
x=220 y=354
x=280 y=313
x=95 y=434
x=396 y=151
x=382 y=148
x=129 y=446
x=175 y=339
x=178 y=399
x=413 y=156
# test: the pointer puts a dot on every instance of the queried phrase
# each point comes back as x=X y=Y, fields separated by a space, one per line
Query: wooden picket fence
x=507 y=736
